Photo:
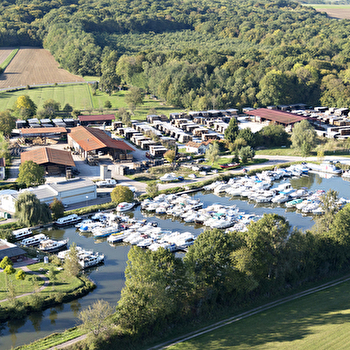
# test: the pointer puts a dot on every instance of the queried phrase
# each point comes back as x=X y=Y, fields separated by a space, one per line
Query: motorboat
x=325 y=167
x=33 y=241
x=117 y=237
x=50 y=245
x=125 y=206
x=90 y=260
x=21 y=233
x=68 y=220
x=100 y=232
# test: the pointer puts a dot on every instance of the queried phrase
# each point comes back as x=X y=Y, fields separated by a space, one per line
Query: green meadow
x=318 y=321
x=80 y=96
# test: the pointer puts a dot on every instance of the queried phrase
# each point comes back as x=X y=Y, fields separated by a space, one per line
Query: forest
x=195 y=55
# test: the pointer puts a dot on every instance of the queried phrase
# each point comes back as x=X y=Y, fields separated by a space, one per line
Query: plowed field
x=4 y=52
x=332 y=10
x=32 y=66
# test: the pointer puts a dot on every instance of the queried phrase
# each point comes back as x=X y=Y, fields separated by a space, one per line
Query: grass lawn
x=77 y=95
x=20 y=286
x=277 y=151
x=318 y=321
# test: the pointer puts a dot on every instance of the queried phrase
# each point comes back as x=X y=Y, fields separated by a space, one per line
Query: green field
x=80 y=96
x=4 y=64
x=318 y=321
x=328 y=6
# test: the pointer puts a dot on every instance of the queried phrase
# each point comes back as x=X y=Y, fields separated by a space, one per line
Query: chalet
x=198 y=147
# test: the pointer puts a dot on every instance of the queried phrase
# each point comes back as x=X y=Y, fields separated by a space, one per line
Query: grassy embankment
x=317 y=321
x=8 y=59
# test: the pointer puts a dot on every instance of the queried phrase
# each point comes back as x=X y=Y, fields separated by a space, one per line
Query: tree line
x=197 y=56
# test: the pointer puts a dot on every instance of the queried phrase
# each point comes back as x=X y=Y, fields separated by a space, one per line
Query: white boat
x=346 y=174
x=68 y=220
x=50 y=245
x=90 y=260
x=80 y=252
x=100 y=232
x=326 y=167
x=125 y=206
x=169 y=177
x=32 y=241
x=21 y=233
x=117 y=237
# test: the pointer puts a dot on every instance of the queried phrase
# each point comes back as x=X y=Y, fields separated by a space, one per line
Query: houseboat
x=21 y=233
x=51 y=246
x=33 y=241
x=68 y=220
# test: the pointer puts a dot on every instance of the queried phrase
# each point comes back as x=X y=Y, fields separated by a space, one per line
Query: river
x=109 y=277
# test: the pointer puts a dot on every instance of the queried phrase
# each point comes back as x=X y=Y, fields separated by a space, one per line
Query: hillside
x=196 y=55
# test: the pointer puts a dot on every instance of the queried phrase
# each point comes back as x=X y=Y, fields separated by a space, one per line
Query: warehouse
x=90 y=141
x=105 y=119
x=54 y=160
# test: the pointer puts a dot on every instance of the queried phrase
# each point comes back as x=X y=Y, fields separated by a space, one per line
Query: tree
x=121 y=194
x=4 y=153
x=6 y=261
x=67 y=108
x=246 y=153
x=232 y=130
x=212 y=153
x=30 y=211
x=170 y=156
x=25 y=107
x=124 y=116
x=20 y=275
x=96 y=318
x=272 y=135
x=247 y=135
x=31 y=174
x=304 y=137
x=239 y=143
x=134 y=97
x=108 y=104
x=71 y=262
x=152 y=189
x=57 y=209
x=51 y=107
x=7 y=123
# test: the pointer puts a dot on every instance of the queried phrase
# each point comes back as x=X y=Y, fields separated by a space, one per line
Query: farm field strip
x=33 y=66
x=334 y=11
x=319 y=320
x=4 y=53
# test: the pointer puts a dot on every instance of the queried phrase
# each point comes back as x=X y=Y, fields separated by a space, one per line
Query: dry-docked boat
x=50 y=245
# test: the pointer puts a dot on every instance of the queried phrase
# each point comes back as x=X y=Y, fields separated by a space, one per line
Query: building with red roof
x=89 y=141
x=278 y=117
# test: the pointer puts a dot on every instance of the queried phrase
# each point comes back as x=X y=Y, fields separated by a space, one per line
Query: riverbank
x=61 y=288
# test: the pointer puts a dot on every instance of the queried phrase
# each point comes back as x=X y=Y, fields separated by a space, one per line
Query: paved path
x=26 y=270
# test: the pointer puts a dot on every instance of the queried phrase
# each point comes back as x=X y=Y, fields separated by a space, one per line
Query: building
x=197 y=147
x=2 y=168
x=275 y=116
x=51 y=133
x=105 y=119
x=54 y=160
x=72 y=191
x=90 y=141
x=11 y=251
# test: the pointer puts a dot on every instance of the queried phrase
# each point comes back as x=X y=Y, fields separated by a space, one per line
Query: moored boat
x=21 y=233
x=50 y=245
x=32 y=241
x=125 y=206
x=68 y=220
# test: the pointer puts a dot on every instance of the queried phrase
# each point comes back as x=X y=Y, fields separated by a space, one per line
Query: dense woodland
x=193 y=54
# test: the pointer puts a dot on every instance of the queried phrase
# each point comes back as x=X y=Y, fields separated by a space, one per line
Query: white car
x=132 y=188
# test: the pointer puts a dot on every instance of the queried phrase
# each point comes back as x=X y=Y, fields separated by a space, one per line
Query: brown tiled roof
x=27 y=131
x=2 y=162
x=197 y=144
x=90 y=139
x=45 y=155
x=276 y=116
x=89 y=118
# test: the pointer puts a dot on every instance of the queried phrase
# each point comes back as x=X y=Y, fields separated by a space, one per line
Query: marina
x=109 y=277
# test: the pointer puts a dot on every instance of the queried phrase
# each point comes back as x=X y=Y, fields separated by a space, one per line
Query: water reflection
x=303 y=181
x=75 y=307
x=53 y=316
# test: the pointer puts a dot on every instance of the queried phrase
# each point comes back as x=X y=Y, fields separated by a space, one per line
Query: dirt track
x=33 y=66
x=4 y=52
